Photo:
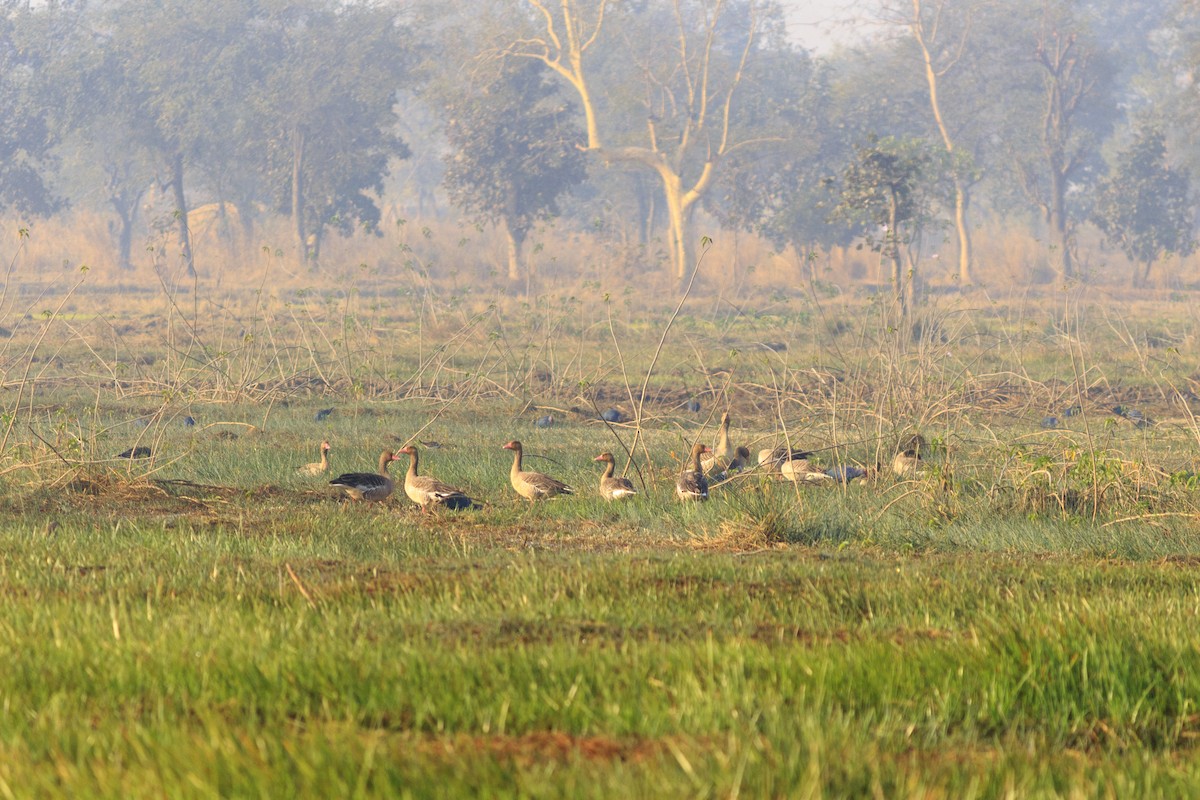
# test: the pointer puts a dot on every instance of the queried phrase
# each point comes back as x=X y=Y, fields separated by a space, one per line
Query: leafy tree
x=183 y=69
x=1068 y=78
x=890 y=190
x=1144 y=207
x=783 y=190
x=515 y=150
x=327 y=104
x=28 y=37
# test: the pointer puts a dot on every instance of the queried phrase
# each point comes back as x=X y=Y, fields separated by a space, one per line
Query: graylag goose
x=371 y=486
x=613 y=487
x=720 y=459
x=317 y=467
x=801 y=470
x=908 y=463
x=430 y=492
x=773 y=458
x=533 y=485
x=692 y=485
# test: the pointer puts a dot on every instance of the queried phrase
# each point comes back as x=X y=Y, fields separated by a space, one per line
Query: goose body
x=532 y=485
x=430 y=492
x=720 y=458
x=692 y=485
x=370 y=486
x=773 y=458
x=613 y=487
x=908 y=463
x=801 y=470
x=317 y=467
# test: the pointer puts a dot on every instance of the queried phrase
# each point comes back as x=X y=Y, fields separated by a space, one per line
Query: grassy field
x=1019 y=621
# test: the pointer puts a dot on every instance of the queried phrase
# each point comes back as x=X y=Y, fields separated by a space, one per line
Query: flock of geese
x=692 y=484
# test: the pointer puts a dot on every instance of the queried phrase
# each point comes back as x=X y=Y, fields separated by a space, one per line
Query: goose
x=368 y=485
x=801 y=470
x=908 y=462
x=613 y=487
x=317 y=467
x=725 y=453
x=532 y=485
x=426 y=491
x=692 y=485
x=772 y=458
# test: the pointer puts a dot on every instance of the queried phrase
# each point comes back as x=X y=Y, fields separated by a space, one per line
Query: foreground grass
x=427 y=657
x=1021 y=621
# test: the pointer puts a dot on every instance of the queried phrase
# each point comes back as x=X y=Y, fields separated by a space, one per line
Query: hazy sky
x=819 y=24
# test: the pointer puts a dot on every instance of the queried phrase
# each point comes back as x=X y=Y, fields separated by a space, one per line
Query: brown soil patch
x=539 y=746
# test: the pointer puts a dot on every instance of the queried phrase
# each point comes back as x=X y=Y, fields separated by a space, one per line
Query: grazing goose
x=532 y=485
x=613 y=487
x=908 y=463
x=426 y=491
x=774 y=457
x=916 y=443
x=725 y=453
x=801 y=470
x=740 y=463
x=692 y=485
x=317 y=467
x=368 y=485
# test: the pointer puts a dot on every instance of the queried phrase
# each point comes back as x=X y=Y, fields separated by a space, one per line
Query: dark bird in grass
x=613 y=415
x=135 y=452
x=693 y=406
x=1072 y=411
x=544 y=422
x=189 y=422
x=323 y=414
x=846 y=473
x=1049 y=422
x=1135 y=416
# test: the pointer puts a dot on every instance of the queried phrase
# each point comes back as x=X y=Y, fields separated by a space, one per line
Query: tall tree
x=892 y=189
x=185 y=67
x=515 y=150
x=328 y=105
x=1144 y=206
x=690 y=84
x=1071 y=78
x=942 y=31
x=29 y=37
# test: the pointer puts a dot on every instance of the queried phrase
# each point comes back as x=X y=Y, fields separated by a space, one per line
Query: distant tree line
x=1049 y=114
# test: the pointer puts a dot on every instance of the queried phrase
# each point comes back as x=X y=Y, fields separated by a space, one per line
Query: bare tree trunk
x=516 y=242
x=677 y=224
x=932 y=74
x=892 y=245
x=1059 y=226
x=962 y=202
x=181 y=209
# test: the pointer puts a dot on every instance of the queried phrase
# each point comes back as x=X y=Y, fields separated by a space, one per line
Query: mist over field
x=896 y=146
x=806 y=398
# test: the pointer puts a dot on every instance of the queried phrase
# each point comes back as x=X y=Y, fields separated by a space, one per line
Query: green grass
x=1019 y=622
x=186 y=661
